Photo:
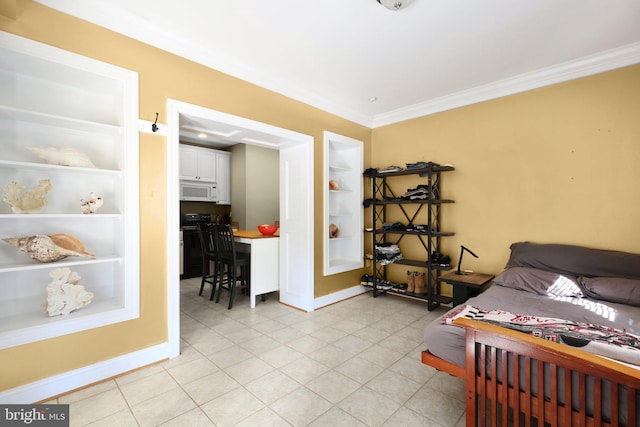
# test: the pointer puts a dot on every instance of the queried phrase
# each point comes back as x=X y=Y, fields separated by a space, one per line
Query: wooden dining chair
x=235 y=264
x=209 y=256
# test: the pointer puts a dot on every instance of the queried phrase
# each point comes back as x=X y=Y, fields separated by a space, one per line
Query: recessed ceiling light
x=202 y=135
x=373 y=99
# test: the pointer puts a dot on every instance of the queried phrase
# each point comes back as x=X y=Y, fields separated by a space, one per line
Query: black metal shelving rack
x=383 y=196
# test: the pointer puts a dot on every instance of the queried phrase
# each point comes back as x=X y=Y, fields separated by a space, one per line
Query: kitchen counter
x=265 y=260
x=253 y=234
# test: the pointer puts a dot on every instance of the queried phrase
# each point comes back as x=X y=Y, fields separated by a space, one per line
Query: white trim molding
x=581 y=67
x=63 y=383
x=335 y=297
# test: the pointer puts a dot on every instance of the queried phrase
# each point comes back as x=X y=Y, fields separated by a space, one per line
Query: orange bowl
x=267 y=230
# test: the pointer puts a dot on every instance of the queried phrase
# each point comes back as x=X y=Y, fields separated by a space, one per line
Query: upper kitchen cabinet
x=197 y=164
x=206 y=166
x=343 y=211
x=223 y=174
x=70 y=121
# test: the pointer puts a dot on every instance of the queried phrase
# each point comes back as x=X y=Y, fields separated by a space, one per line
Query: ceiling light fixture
x=202 y=135
x=394 y=4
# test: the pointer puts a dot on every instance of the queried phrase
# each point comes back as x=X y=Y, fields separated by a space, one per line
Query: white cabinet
x=54 y=98
x=343 y=210
x=207 y=165
x=223 y=173
x=197 y=164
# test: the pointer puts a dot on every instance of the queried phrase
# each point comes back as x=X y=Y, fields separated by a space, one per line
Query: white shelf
x=343 y=159
x=81 y=217
x=54 y=98
x=66 y=262
x=45 y=167
x=56 y=120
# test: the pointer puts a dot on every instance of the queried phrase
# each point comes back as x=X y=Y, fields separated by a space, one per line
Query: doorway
x=296 y=205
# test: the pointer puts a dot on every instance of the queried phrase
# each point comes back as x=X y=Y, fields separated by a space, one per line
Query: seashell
x=64 y=294
x=334 y=231
x=71 y=243
x=51 y=248
x=92 y=205
x=63 y=156
x=31 y=201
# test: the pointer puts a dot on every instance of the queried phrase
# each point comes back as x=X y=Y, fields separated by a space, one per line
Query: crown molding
x=106 y=16
x=139 y=29
x=571 y=70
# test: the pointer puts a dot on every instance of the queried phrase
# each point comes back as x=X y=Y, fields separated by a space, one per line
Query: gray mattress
x=448 y=342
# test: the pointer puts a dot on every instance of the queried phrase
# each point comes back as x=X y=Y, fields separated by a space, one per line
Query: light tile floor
x=354 y=363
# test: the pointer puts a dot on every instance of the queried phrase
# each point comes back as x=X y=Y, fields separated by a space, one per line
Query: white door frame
x=289 y=139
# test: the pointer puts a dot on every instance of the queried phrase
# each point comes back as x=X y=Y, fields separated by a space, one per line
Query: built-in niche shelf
x=54 y=98
x=343 y=160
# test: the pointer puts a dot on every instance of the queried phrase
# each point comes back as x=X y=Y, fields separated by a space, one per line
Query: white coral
x=31 y=201
x=64 y=294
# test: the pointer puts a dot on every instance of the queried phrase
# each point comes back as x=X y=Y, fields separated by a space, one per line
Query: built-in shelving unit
x=54 y=98
x=343 y=159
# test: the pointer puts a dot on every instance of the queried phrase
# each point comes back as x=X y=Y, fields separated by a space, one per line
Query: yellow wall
x=559 y=164
x=161 y=76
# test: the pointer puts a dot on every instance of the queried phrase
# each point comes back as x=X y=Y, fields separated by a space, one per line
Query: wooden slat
x=482 y=390
x=516 y=387
x=442 y=365
x=527 y=390
x=471 y=385
x=568 y=396
x=553 y=397
x=597 y=401
x=504 y=395
x=494 y=385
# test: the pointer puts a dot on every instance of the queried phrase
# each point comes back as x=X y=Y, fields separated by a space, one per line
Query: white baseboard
x=59 y=384
x=340 y=295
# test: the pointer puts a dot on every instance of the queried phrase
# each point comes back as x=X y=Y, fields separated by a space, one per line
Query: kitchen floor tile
x=333 y=386
x=96 y=407
x=301 y=406
x=162 y=408
x=369 y=406
x=232 y=407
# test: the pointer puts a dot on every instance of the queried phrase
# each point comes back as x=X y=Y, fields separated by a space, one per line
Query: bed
x=579 y=285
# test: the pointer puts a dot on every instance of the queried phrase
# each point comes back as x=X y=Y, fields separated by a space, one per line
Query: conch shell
x=50 y=248
x=31 y=201
x=63 y=156
x=64 y=294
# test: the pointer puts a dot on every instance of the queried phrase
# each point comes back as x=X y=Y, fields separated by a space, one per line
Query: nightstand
x=466 y=285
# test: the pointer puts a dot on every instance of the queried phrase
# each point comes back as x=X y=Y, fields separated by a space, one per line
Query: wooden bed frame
x=494 y=402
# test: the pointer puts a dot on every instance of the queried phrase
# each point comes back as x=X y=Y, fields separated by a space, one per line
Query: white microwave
x=198 y=192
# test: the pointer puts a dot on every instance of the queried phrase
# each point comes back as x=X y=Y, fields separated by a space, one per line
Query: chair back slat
x=225 y=244
x=207 y=241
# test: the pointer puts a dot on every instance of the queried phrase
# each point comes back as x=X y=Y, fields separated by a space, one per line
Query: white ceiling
x=336 y=54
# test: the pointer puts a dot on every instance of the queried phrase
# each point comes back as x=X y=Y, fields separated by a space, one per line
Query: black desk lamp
x=462 y=249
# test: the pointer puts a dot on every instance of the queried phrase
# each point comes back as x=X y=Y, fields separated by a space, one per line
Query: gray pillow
x=613 y=289
x=575 y=260
x=539 y=282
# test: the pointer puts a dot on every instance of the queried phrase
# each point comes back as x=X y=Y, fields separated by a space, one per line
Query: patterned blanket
x=597 y=339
